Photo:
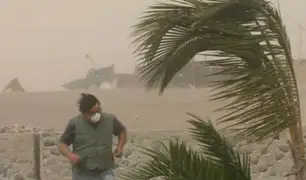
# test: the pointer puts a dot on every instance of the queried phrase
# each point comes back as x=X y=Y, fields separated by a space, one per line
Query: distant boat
x=13 y=86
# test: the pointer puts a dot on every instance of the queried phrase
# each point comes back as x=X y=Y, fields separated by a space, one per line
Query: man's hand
x=118 y=152
x=74 y=158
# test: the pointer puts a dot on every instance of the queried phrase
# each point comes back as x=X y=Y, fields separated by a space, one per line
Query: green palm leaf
x=178 y=162
x=219 y=149
x=252 y=47
x=175 y=163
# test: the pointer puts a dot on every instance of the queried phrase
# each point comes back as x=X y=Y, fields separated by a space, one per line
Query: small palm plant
x=253 y=49
x=178 y=162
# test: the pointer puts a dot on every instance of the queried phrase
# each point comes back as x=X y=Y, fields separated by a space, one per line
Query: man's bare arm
x=122 y=138
x=120 y=131
x=67 y=139
x=64 y=148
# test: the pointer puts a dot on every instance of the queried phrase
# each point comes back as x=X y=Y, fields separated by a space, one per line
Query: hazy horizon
x=48 y=40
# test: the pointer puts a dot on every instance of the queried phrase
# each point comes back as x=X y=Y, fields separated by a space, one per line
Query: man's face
x=96 y=109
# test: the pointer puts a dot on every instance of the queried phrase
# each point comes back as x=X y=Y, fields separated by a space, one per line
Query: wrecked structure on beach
x=93 y=78
x=13 y=86
x=195 y=74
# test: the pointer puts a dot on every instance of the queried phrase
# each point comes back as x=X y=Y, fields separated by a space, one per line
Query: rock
x=132 y=139
x=46 y=154
x=55 y=151
x=278 y=155
x=127 y=152
x=18 y=128
x=271 y=172
x=157 y=146
x=31 y=174
x=50 y=161
x=122 y=162
x=282 y=168
x=29 y=129
x=269 y=159
x=283 y=147
x=62 y=159
x=57 y=168
x=4 y=129
x=262 y=167
x=48 y=171
x=18 y=176
x=255 y=175
x=22 y=160
x=15 y=128
x=49 y=133
x=255 y=158
x=133 y=160
x=266 y=174
x=50 y=141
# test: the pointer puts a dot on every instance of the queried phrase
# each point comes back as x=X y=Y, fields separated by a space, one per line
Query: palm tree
x=253 y=49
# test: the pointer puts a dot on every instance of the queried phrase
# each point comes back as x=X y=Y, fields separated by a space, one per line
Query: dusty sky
x=48 y=39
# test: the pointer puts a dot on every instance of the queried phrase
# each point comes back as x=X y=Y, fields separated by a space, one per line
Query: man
x=91 y=135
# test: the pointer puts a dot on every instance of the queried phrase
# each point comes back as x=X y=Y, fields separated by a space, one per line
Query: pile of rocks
x=268 y=162
x=16 y=154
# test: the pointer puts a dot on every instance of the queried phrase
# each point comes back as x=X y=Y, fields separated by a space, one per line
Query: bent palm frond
x=178 y=162
x=253 y=50
x=175 y=163
x=219 y=149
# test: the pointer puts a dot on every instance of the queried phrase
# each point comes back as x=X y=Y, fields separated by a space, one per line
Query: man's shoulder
x=108 y=116
x=75 y=119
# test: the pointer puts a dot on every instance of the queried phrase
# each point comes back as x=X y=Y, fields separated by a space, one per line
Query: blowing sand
x=137 y=109
x=148 y=117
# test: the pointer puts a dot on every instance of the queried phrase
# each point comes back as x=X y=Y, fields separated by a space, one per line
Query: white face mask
x=95 y=118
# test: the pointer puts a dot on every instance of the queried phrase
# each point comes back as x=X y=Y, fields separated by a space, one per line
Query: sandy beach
x=137 y=109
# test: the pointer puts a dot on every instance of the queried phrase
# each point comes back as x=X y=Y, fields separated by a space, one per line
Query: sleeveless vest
x=93 y=143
